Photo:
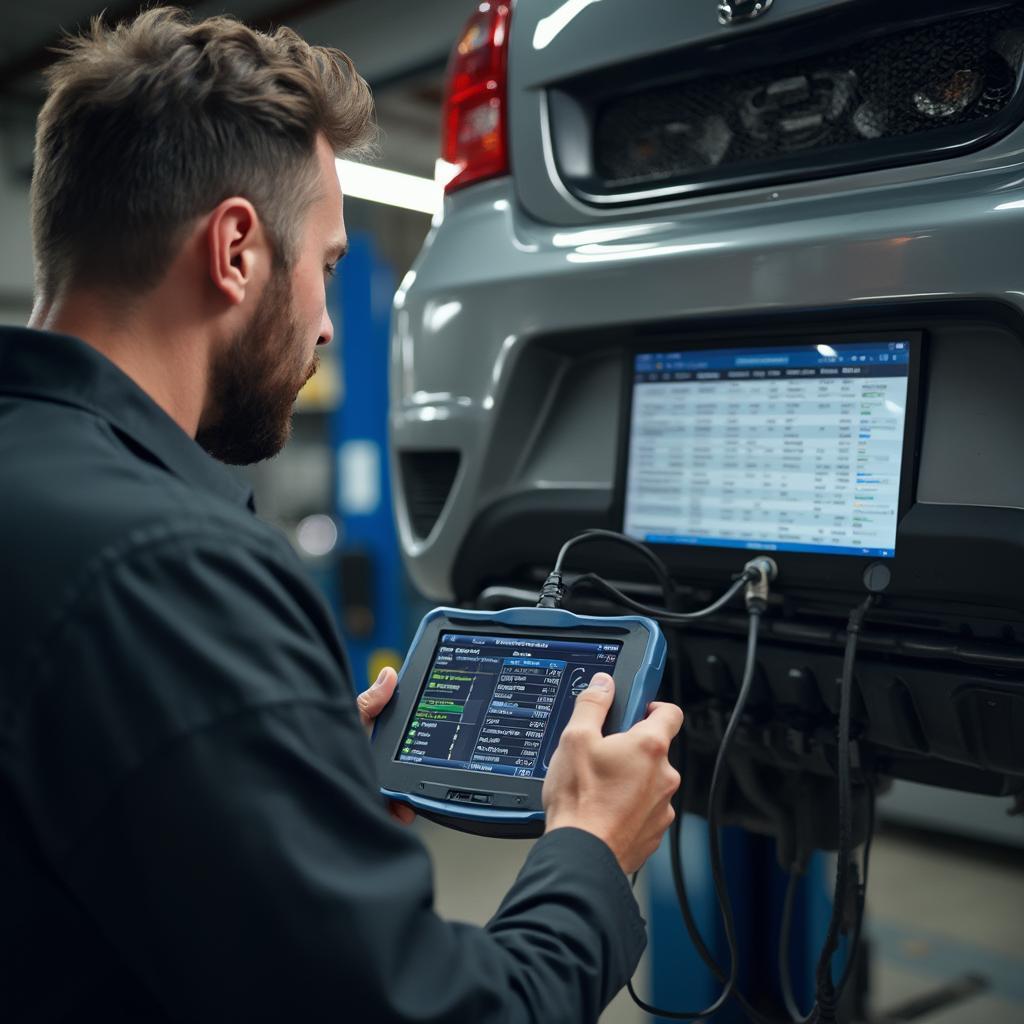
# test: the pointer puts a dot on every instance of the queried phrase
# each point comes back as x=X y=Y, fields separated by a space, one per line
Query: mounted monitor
x=785 y=447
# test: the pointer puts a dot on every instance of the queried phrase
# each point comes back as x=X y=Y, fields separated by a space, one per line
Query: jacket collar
x=64 y=369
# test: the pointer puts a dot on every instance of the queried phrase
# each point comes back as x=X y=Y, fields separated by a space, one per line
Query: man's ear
x=237 y=245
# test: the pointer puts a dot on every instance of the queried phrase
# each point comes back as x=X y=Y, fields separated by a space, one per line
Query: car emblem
x=732 y=11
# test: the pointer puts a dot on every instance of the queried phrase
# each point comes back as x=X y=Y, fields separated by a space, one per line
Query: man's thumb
x=593 y=703
x=371 y=702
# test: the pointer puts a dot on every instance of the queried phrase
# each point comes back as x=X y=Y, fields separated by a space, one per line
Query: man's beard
x=254 y=381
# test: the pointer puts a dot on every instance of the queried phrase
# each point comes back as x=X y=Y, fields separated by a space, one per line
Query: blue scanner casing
x=494 y=799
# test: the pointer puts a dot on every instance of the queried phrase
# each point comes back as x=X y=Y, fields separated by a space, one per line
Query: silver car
x=633 y=183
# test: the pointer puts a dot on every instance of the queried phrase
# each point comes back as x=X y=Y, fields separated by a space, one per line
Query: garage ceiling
x=400 y=47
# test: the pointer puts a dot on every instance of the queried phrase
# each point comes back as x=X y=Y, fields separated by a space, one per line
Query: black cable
x=552 y=595
x=862 y=888
x=718 y=776
x=553 y=592
x=679 y=883
x=668 y=592
x=785 y=977
x=828 y=993
x=676 y=853
x=676 y=849
x=663 y=614
x=659 y=567
x=676 y=829
x=692 y=929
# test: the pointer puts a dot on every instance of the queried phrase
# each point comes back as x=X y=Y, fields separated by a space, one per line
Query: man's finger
x=663 y=719
x=402 y=813
x=593 y=703
x=372 y=702
x=663 y=704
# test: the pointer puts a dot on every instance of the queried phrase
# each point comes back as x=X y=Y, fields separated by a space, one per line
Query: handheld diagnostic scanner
x=483 y=697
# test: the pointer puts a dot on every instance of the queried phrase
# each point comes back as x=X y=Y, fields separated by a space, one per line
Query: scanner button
x=481 y=798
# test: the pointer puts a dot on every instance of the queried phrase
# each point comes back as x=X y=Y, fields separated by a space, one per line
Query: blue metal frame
x=678 y=978
x=361 y=309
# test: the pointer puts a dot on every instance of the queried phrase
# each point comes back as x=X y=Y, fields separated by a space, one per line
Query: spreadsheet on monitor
x=786 y=448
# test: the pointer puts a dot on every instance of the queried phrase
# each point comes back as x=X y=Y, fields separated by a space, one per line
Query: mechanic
x=190 y=827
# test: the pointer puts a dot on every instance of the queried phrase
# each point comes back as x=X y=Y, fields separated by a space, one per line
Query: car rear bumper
x=473 y=367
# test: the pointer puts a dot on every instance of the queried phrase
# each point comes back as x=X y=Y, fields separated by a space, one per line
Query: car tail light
x=474 y=143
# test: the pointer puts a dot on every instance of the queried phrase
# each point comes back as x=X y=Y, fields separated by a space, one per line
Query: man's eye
x=330 y=269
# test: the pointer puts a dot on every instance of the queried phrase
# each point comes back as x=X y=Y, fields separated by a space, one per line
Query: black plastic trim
x=853 y=23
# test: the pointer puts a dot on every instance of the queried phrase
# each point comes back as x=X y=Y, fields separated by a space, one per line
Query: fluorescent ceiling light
x=549 y=27
x=379 y=185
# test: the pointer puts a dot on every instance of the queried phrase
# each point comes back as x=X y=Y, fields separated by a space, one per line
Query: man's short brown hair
x=151 y=123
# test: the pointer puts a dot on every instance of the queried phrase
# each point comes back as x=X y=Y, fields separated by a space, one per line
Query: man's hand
x=616 y=787
x=371 y=703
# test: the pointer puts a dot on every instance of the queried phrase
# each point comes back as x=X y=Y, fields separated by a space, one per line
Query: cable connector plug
x=827 y=1005
x=759 y=573
x=553 y=591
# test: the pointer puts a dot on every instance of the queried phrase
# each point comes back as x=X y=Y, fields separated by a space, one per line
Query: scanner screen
x=497 y=704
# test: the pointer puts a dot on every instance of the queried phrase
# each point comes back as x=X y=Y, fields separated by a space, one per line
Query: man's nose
x=326 y=330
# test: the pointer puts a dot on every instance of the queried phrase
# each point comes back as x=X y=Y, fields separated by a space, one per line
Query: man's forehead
x=330 y=185
x=327 y=212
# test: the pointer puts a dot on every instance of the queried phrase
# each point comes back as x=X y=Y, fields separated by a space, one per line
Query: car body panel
x=511 y=342
x=601 y=36
x=554 y=39
x=491 y=280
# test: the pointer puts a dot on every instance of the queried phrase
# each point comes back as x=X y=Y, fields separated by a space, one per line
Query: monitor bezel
x=827 y=569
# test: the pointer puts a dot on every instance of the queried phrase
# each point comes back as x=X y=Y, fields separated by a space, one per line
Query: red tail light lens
x=474 y=141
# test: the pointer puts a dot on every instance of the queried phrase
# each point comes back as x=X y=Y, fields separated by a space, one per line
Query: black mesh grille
x=427 y=479
x=907 y=85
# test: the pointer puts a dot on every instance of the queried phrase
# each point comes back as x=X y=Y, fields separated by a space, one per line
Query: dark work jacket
x=190 y=827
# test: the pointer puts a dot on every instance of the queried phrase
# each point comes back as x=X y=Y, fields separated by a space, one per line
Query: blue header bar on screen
x=894 y=353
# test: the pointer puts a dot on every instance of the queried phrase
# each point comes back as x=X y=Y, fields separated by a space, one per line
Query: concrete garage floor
x=938 y=908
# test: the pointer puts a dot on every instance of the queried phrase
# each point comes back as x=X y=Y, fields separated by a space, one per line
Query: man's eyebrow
x=337 y=251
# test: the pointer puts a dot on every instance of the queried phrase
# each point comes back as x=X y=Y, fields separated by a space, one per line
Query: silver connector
x=757 y=589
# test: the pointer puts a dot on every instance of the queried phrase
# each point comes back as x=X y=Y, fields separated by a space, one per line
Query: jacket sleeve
x=206 y=793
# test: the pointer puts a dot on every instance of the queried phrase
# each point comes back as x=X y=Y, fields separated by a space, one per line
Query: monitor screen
x=497 y=704
x=776 y=448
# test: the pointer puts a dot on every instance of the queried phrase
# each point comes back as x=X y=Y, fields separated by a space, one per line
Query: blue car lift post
x=679 y=979
x=371 y=592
